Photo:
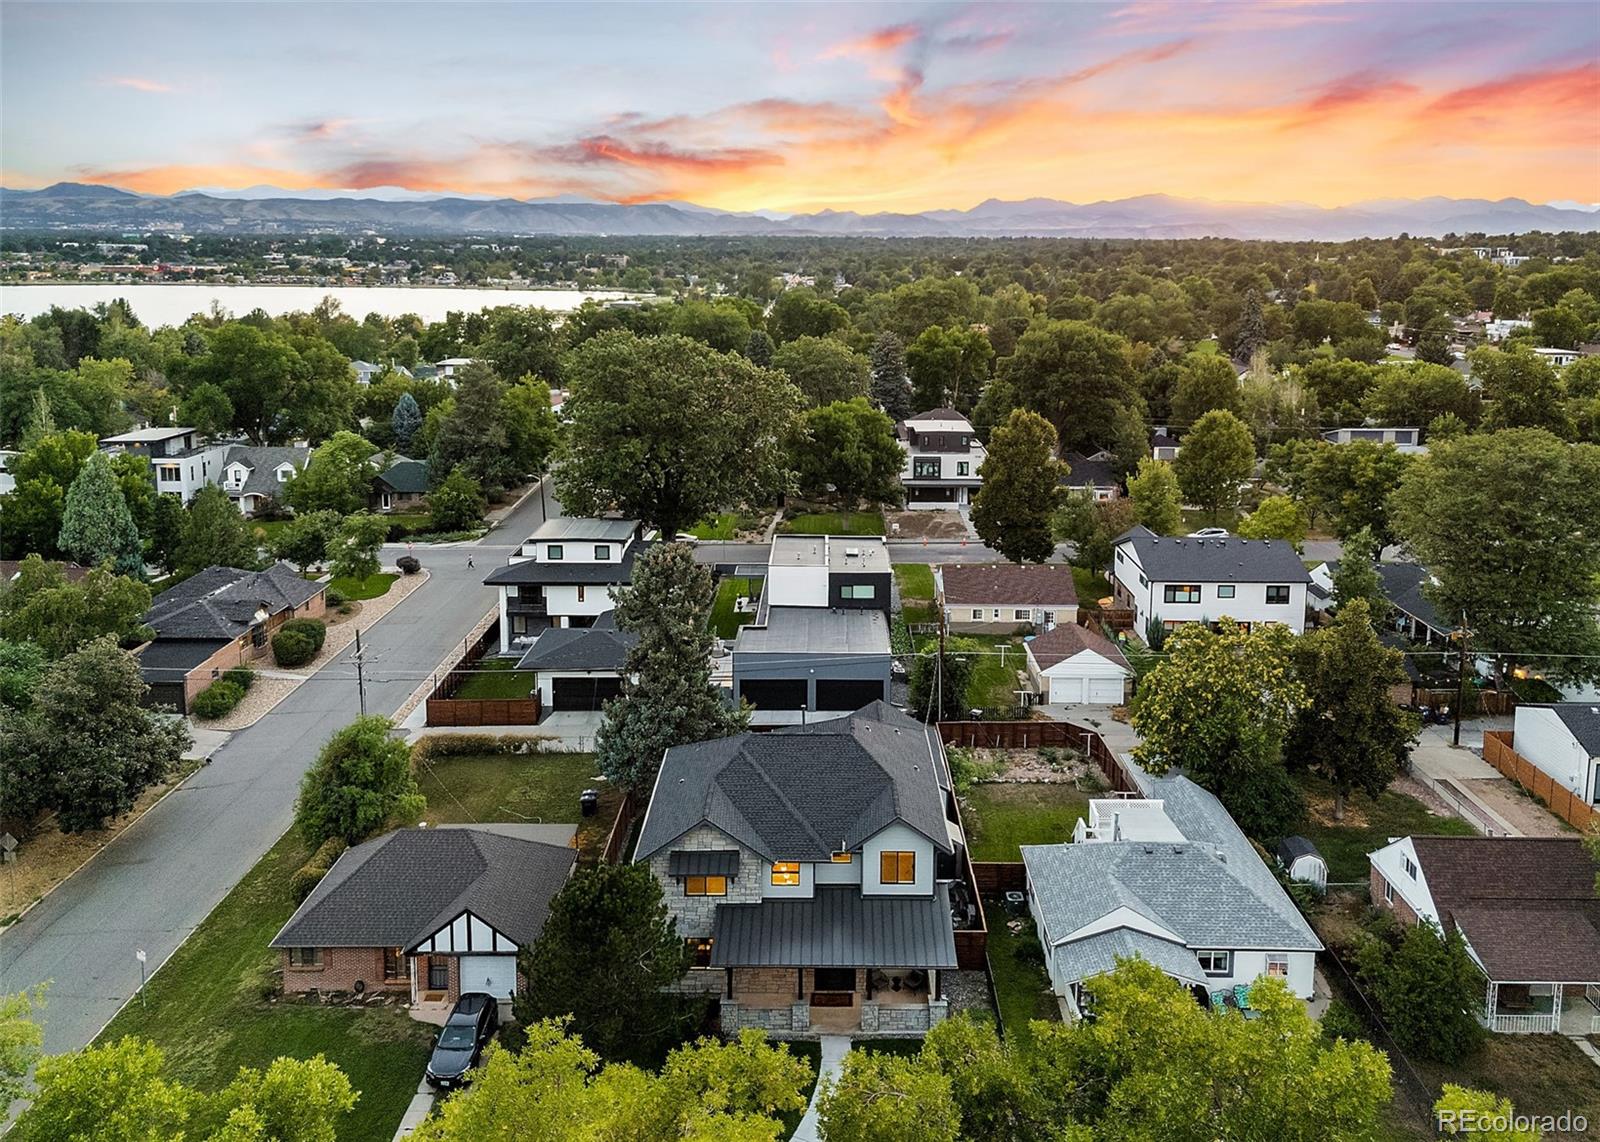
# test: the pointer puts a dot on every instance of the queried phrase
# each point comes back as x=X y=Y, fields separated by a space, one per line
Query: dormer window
x=602 y=552
x=786 y=873
x=553 y=552
x=897 y=867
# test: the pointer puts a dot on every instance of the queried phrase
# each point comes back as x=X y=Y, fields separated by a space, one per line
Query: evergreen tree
x=890 y=389
x=1021 y=489
x=215 y=534
x=1427 y=988
x=1433 y=343
x=96 y=525
x=405 y=421
x=1252 y=333
x=759 y=348
x=473 y=436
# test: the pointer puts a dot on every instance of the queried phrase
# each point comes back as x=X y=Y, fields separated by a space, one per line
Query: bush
x=408 y=564
x=217 y=699
x=291 y=648
x=314 y=629
x=309 y=875
x=437 y=746
x=335 y=598
x=240 y=676
x=1340 y=1021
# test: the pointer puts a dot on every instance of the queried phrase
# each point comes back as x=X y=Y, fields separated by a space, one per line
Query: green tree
x=848 y=446
x=718 y=325
x=405 y=421
x=1154 y=492
x=1521 y=389
x=1276 y=517
x=1218 y=455
x=667 y=697
x=890 y=388
x=30 y=515
x=42 y=607
x=164 y=533
x=206 y=409
x=21 y=1040
x=948 y=368
x=353 y=553
x=932 y=300
x=1462 y=1110
x=1351 y=732
x=666 y=430
x=879 y=1097
x=1427 y=988
x=1350 y=485
x=1356 y=578
x=1219 y=707
x=1433 y=343
x=21 y=666
x=523 y=340
x=1418 y=394
x=759 y=348
x=473 y=433
x=1509 y=525
x=938 y=691
x=607 y=955
x=304 y=540
x=337 y=477
x=86 y=747
x=457 y=504
x=96 y=525
x=1206 y=381
x=216 y=535
x=1081 y=379
x=1022 y=487
x=110 y=1091
x=823 y=369
x=1252 y=331
x=532 y=431
x=360 y=784
x=803 y=312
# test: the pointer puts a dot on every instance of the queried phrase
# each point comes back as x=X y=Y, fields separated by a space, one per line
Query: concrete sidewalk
x=417 y=1111
x=834 y=1049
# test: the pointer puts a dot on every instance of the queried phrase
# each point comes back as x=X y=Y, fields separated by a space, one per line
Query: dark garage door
x=847 y=693
x=774 y=693
x=583 y=693
x=166 y=694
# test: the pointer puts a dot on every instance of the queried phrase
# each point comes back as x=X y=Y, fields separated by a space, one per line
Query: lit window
x=1278 y=965
x=705 y=886
x=841 y=858
x=1181 y=593
x=305 y=957
x=897 y=868
x=553 y=552
x=1215 y=963
x=786 y=873
x=700 y=950
x=580 y=592
x=1278 y=595
x=1225 y=591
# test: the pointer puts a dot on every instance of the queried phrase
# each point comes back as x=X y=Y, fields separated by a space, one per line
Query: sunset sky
x=808 y=106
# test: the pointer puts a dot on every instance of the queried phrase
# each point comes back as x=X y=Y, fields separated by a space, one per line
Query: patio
x=1542 y=1008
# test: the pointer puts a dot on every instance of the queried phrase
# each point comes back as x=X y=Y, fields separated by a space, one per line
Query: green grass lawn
x=1020 y=984
x=1000 y=817
x=496 y=678
x=811 y=1051
x=1540 y=1074
x=915 y=581
x=834 y=523
x=354 y=590
x=1368 y=825
x=725 y=621
x=206 y=1008
x=267 y=530
x=1090 y=585
x=535 y=788
x=994 y=675
x=724 y=525
x=1194 y=519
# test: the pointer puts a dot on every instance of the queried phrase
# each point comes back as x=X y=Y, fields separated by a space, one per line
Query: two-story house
x=563 y=575
x=253 y=476
x=1175 y=580
x=1171 y=879
x=812 y=871
x=1408 y=440
x=182 y=464
x=820 y=639
x=943 y=455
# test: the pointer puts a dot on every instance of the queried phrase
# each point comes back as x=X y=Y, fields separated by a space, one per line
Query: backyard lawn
x=495 y=678
x=354 y=590
x=725 y=621
x=1367 y=825
x=538 y=788
x=1000 y=817
x=1090 y=585
x=724 y=525
x=1540 y=1074
x=1019 y=980
x=267 y=530
x=915 y=581
x=834 y=523
x=993 y=684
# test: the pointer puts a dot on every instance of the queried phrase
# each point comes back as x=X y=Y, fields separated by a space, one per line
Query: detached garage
x=1072 y=665
x=579 y=668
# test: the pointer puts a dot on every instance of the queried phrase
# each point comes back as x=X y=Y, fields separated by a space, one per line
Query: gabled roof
x=263 y=464
x=1046 y=584
x=1291 y=849
x=1582 y=720
x=1177 y=559
x=1069 y=639
x=1086 y=473
x=400 y=888
x=405 y=475
x=579 y=648
x=1095 y=955
x=1402 y=585
x=804 y=792
x=222 y=602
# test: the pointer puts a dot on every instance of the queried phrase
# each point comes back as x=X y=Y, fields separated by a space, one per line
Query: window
x=841 y=858
x=1278 y=595
x=1411 y=868
x=1215 y=963
x=961 y=467
x=834 y=979
x=1022 y=615
x=858 y=591
x=553 y=552
x=1226 y=591
x=394 y=963
x=786 y=873
x=705 y=886
x=1120 y=559
x=602 y=552
x=580 y=592
x=438 y=973
x=1388 y=892
x=977 y=614
x=305 y=957
x=997 y=614
x=1181 y=593
x=1278 y=965
x=1143 y=582
x=925 y=467
x=699 y=950
x=169 y=472
x=897 y=868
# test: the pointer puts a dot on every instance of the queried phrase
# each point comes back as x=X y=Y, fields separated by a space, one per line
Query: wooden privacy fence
x=991 y=877
x=617 y=839
x=444 y=709
x=1041 y=735
x=1562 y=802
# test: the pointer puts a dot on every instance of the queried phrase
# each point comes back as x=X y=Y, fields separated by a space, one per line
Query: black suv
x=471 y=1025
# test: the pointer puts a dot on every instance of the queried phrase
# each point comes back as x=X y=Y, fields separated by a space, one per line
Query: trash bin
x=589 y=802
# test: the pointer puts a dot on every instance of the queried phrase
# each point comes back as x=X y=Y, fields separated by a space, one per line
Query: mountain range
x=271 y=210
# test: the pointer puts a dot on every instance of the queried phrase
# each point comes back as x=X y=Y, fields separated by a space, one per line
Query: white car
x=1209 y=533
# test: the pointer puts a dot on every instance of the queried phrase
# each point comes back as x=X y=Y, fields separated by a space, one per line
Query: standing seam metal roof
x=837 y=927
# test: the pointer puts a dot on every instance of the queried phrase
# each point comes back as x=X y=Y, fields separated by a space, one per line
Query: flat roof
x=816 y=630
x=1137 y=819
x=583 y=527
x=145 y=435
x=835 y=552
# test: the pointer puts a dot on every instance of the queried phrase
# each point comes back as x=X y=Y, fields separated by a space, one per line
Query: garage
x=774 y=693
x=1074 y=665
x=1105 y=691
x=496 y=975
x=584 y=693
x=848 y=693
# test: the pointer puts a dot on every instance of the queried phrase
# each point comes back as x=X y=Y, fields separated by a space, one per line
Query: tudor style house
x=820 y=639
x=428 y=912
x=1175 y=580
x=1169 y=878
x=563 y=575
x=943 y=455
x=815 y=873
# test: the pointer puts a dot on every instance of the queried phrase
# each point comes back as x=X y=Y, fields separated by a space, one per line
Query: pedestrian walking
x=469 y=561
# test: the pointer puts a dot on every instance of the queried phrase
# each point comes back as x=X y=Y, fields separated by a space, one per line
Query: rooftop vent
x=852 y=552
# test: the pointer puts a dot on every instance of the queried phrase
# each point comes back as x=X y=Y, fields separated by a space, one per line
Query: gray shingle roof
x=579 y=648
x=1402 y=585
x=1583 y=720
x=263 y=463
x=1083 y=959
x=221 y=602
x=1291 y=849
x=837 y=927
x=530 y=572
x=171 y=659
x=406 y=476
x=804 y=792
x=1086 y=473
x=1178 y=559
x=400 y=888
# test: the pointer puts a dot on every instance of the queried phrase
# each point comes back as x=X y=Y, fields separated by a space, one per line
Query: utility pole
x=361 y=680
x=1461 y=679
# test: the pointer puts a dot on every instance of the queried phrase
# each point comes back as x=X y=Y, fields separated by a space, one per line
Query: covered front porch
x=1541 y=1008
x=821 y=1001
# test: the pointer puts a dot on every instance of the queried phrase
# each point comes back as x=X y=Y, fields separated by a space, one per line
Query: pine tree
x=1252 y=332
x=405 y=420
x=890 y=389
x=96 y=525
x=760 y=348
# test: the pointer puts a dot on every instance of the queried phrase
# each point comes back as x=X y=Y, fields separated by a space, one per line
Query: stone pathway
x=834 y=1049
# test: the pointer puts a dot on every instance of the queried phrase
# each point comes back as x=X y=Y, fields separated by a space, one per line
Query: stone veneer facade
x=696 y=914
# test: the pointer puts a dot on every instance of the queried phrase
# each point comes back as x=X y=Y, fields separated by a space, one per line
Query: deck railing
x=1542 y=1024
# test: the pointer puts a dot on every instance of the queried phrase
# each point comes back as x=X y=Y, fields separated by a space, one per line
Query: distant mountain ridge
x=268 y=210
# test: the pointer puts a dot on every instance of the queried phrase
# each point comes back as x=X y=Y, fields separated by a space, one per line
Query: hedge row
x=310 y=874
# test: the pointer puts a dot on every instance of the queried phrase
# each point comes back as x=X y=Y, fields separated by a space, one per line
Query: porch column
x=938 y=982
x=1555 y=1005
x=411 y=972
x=728 y=985
x=1490 y=1003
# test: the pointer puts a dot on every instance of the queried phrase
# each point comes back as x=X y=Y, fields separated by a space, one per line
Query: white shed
x=1073 y=665
x=1302 y=861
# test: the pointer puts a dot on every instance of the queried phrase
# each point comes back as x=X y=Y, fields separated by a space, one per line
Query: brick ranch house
x=220 y=618
x=428 y=912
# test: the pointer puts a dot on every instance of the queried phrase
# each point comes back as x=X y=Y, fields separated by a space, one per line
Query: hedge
x=309 y=875
x=241 y=676
x=436 y=746
x=217 y=699
x=315 y=628
x=291 y=648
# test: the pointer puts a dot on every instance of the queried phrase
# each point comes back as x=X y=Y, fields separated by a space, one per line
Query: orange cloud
x=149 y=86
x=176 y=177
x=1566 y=89
x=876 y=43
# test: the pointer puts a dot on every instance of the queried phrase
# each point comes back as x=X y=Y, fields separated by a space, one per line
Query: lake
x=173 y=304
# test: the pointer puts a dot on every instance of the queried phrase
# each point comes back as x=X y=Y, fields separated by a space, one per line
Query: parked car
x=1209 y=533
x=472 y=1023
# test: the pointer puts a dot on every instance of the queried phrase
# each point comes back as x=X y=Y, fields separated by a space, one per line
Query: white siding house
x=1563 y=741
x=1175 y=580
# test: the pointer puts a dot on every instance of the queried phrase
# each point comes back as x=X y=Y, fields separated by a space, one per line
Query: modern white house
x=943 y=455
x=1558 y=358
x=563 y=575
x=181 y=462
x=1073 y=665
x=1175 y=580
x=450 y=366
x=1163 y=446
x=1171 y=879
x=1407 y=440
x=1563 y=741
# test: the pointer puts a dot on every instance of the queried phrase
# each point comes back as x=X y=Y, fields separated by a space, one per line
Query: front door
x=835 y=980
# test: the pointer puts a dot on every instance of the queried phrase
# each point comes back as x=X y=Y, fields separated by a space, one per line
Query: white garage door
x=1105 y=691
x=1066 y=691
x=496 y=975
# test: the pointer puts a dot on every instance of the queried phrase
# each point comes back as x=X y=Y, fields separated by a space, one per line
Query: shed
x=1302 y=861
